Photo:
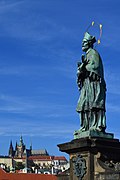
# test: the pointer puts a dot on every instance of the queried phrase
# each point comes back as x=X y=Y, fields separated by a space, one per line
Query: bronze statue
x=92 y=86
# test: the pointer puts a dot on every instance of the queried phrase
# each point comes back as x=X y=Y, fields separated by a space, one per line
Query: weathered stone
x=92 y=133
x=101 y=156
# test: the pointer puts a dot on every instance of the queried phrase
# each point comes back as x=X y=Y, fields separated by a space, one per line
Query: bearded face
x=85 y=45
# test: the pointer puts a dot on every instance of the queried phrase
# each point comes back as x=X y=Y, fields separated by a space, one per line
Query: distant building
x=41 y=152
x=20 y=150
x=6 y=161
x=48 y=160
x=39 y=161
x=51 y=164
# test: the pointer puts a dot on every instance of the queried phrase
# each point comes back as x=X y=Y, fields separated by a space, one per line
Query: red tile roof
x=13 y=176
x=60 y=158
x=44 y=158
x=47 y=158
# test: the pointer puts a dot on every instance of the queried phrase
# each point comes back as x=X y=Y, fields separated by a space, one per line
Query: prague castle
x=21 y=151
x=21 y=158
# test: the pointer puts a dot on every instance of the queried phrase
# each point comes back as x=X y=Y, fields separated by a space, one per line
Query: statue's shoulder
x=94 y=52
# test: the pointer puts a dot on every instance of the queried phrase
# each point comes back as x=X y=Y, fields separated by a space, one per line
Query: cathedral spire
x=21 y=141
x=16 y=146
x=31 y=146
x=11 y=150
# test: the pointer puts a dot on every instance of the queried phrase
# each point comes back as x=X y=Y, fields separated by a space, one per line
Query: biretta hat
x=89 y=38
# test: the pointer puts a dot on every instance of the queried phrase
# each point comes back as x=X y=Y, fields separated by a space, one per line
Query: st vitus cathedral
x=20 y=149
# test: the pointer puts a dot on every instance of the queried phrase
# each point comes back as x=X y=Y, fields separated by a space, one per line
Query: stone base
x=93 y=158
x=92 y=133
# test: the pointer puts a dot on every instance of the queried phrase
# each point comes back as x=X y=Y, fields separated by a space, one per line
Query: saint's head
x=88 y=41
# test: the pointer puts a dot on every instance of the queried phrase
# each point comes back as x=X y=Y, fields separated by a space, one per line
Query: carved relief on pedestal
x=79 y=166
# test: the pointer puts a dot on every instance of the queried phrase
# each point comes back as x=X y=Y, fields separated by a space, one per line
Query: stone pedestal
x=93 y=158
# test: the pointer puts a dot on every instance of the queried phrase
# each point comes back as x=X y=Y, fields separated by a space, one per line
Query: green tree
x=19 y=165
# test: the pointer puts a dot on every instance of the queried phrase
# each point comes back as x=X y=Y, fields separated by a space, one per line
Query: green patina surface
x=92 y=87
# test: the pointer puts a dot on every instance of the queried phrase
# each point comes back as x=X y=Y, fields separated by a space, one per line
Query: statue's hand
x=78 y=64
x=78 y=68
x=83 y=58
x=78 y=72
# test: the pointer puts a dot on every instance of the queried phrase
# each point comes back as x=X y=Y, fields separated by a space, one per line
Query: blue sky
x=40 y=45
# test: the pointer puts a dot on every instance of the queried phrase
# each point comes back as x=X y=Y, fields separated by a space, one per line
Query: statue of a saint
x=92 y=86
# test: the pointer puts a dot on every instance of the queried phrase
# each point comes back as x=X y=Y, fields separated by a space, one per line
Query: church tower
x=19 y=148
x=11 y=150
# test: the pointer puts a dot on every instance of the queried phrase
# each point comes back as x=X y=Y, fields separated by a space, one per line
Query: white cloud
x=40 y=128
x=33 y=106
x=6 y=5
x=17 y=21
x=22 y=70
